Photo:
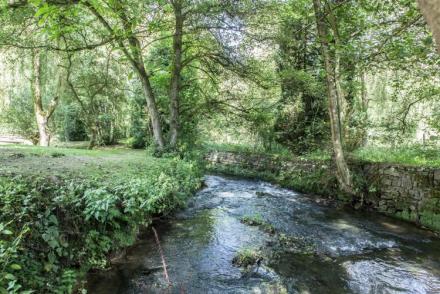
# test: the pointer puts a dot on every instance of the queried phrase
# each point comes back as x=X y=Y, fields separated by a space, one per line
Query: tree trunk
x=175 y=84
x=431 y=11
x=40 y=116
x=44 y=137
x=340 y=94
x=138 y=64
x=343 y=172
x=151 y=105
x=364 y=96
x=93 y=137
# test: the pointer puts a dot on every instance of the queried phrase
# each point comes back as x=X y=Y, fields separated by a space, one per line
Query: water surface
x=345 y=251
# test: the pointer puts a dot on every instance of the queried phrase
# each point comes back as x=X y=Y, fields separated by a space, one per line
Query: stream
x=313 y=248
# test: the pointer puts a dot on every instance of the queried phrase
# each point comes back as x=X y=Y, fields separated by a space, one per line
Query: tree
x=343 y=172
x=97 y=94
x=302 y=117
x=132 y=51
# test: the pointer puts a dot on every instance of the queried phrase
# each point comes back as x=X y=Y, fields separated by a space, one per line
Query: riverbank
x=65 y=211
x=246 y=236
x=408 y=192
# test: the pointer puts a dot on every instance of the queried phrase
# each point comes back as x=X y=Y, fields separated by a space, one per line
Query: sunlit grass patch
x=411 y=155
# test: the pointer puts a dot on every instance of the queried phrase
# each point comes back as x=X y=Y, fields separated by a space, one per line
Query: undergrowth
x=54 y=228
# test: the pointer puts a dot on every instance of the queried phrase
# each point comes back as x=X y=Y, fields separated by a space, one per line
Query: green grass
x=70 y=162
x=277 y=150
x=415 y=155
x=66 y=149
x=408 y=155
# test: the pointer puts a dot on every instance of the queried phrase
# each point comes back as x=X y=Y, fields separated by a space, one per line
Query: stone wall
x=411 y=193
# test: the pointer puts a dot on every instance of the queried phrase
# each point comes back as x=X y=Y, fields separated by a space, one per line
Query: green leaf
x=9 y=277
x=15 y=266
x=7 y=232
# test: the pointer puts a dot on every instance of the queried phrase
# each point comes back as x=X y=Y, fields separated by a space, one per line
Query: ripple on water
x=354 y=253
x=377 y=276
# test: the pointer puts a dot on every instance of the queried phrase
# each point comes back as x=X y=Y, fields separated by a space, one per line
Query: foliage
x=301 y=117
x=72 y=127
x=10 y=250
x=138 y=128
x=64 y=225
x=19 y=115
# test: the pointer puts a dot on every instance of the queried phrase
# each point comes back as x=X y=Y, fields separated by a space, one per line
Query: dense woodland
x=297 y=77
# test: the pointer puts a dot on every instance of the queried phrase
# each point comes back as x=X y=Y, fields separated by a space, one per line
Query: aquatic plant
x=296 y=244
x=247 y=257
x=257 y=220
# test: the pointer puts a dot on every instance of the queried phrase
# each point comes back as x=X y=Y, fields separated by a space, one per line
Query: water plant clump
x=247 y=257
x=253 y=220
x=257 y=220
x=296 y=244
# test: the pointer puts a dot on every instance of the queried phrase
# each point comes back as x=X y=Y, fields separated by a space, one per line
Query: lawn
x=33 y=160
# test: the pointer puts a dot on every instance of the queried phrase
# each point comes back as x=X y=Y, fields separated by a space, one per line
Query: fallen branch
x=164 y=265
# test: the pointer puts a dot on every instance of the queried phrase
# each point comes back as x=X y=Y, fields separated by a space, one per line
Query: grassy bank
x=65 y=211
x=414 y=156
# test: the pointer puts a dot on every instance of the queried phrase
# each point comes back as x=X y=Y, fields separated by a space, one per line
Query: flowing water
x=331 y=250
